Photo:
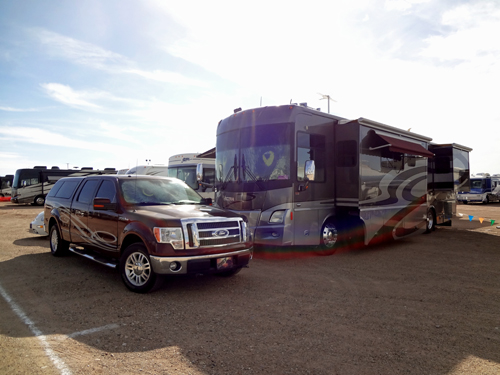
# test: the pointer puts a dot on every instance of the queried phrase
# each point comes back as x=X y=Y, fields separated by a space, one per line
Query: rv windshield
x=254 y=154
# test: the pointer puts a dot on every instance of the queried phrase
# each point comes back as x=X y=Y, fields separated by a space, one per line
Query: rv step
x=96 y=258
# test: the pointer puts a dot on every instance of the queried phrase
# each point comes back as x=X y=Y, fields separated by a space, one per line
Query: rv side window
x=29 y=178
x=311 y=147
x=346 y=153
x=391 y=162
x=442 y=164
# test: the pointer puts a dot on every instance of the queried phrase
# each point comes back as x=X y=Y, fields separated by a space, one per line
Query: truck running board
x=95 y=257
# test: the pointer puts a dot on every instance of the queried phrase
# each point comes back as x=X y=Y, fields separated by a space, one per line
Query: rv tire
x=39 y=200
x=430 y=225
x=330 y=238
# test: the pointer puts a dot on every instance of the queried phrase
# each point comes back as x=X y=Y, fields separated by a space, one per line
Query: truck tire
x=58 y=247
x=39 y=200
x=136 y=270
x=329 y=238
x=431 y=221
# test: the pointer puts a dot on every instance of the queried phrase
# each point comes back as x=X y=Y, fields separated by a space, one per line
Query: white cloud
x=93 y=56
x=11 y=109
x=66 y=95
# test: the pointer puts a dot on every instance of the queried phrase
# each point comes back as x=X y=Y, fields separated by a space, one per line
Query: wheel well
x=129 y=240
x=52 y=222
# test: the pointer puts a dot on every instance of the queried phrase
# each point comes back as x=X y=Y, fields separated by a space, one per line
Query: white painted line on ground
x=61 y=366
x=93 y=330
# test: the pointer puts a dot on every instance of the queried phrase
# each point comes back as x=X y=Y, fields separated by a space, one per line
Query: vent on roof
x=87 y=169
x=40 y=167
x=54 y=167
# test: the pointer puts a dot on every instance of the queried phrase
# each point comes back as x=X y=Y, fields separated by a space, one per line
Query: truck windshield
x=254 y=154
x=158 y=191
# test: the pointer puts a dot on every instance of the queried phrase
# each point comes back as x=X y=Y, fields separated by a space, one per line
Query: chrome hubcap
x=137 y=269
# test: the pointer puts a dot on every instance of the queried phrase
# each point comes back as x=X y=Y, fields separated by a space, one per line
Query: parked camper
x=448 y=173
x=149 y=170
x=6 y=185
x=31 y=185
x=482 y=190
x=183 y=166
x=303 y=177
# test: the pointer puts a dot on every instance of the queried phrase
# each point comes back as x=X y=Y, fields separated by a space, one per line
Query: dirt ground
x=428 y=304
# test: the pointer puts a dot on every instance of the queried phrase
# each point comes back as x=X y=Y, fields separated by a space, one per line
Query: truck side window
x=67 y=189
x=87 y=192
x=107 y=190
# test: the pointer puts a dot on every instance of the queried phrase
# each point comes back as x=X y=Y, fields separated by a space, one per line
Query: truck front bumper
x=211 y=263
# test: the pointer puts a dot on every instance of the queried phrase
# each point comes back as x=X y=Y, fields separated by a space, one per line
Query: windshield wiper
x=245 y=170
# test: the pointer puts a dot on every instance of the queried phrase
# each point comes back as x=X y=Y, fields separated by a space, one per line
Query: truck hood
x=176 y=212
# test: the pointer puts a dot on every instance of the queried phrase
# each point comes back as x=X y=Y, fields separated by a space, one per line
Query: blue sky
x=115 y=83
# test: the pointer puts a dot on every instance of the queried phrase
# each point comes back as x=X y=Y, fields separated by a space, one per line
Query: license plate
x=224 y=263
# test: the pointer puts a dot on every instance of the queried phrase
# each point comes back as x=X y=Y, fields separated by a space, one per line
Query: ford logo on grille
x=220 y=233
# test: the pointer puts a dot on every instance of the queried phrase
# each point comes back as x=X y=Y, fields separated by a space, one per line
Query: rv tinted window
x=67 y=189
x=311 y=147
x=346 y=153
x=87 y=192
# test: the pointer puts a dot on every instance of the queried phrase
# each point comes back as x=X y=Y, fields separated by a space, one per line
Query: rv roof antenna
x=148 y=161
x=328 y=97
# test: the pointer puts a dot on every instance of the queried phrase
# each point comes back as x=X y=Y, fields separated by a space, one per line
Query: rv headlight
x=277 y=217
x=172 y=236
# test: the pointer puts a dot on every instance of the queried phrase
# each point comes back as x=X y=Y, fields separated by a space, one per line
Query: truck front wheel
x=136 y=270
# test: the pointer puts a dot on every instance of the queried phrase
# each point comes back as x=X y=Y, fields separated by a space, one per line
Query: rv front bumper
x=470 y=198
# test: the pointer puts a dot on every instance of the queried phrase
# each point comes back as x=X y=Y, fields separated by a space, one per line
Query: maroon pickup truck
x=145 y=226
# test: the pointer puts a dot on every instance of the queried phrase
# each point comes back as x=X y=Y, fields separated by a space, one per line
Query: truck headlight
x=172 y=236
x=277 y=217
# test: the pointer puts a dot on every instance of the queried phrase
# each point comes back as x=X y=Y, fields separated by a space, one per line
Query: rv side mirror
x=103 y=204
x=310 y=170
x=199 y=172
x=24 y=183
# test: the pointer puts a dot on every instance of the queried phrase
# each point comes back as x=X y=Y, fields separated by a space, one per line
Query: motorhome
x=302 y=177
x=6 y=185
x=151 y=170
x=448 y=174
x=483 y=189
x=184 y=167
x=31 y=185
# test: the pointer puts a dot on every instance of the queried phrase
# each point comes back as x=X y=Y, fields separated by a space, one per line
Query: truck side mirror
x=103 y=204
x=206 y=201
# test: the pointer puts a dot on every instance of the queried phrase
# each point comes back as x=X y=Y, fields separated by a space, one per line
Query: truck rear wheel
x=136 y=270
x=58 y=247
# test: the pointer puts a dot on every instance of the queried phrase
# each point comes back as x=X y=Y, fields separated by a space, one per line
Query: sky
x=120 y=83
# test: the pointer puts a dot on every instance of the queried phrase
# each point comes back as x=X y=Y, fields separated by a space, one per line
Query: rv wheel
x=39 y=200
x=431 y=221
x=330 y=238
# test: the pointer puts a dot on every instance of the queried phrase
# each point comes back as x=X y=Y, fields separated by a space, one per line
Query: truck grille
x=207 y=233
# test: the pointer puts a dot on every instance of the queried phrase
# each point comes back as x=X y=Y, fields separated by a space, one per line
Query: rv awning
x=405 y=147
x=207 y=154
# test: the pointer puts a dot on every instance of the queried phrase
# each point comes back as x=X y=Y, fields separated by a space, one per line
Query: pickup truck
x=146 y=226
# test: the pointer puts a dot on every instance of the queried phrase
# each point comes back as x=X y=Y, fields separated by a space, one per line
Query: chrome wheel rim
x=137 y=269
x=430 y=220
x=329 y=235
x=54 y=240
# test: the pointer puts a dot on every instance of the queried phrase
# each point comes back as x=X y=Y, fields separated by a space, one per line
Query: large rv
x=31 y=185
x=303 y=177
x=448 y=174
x=183 y=166
x=483 y=189
x=151 y=170
x=6 y=185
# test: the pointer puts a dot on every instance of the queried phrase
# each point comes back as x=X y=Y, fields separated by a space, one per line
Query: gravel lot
x=428 y=304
